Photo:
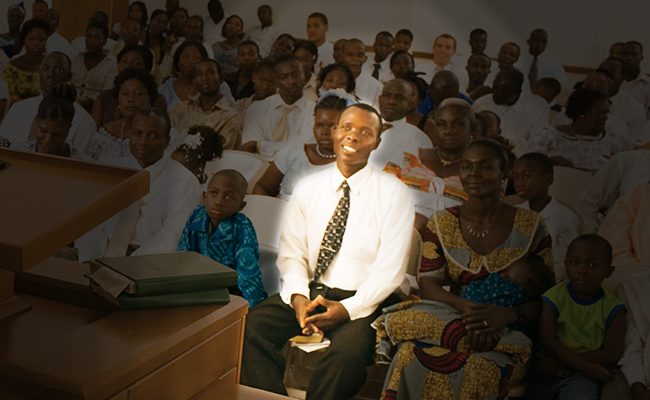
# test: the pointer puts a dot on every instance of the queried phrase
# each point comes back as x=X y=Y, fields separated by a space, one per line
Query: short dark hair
x=400 y=53
x=263 y=64
x=332 y=102
x=634 y=43
x=598 y=240
x=216 y=63
x=102 y=28
x=153 y=111
x=181 y=9
x=338 y=67
x=384 y=34
x=581 y=101
x=306 y=45
x=541 y=160
x=320 y=16
x=242 y=183
x=99 y=17
x=55 y=107
x=551 y=83
x=477 y=31
x=185 y=45
x=499 y=151
x=405 y=32
x=514 y=75
x=250 y=43
x=147 y=57
x=31 y=25
x=370 y=109
x=143 y=76
x=285 y=58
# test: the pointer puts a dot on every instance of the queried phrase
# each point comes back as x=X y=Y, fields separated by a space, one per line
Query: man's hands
x=334 y=314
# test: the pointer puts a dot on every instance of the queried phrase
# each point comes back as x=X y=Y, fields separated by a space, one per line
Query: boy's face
x=223 y=198
x=530 y=182
x=316 y=30
x=586 y=267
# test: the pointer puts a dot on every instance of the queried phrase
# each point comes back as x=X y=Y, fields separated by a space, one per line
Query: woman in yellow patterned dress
x=451 y=347
x=21 y=74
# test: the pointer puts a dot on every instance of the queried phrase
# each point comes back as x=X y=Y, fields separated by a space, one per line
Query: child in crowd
x=582 y=326
x=50 y=128
x=218 y=230
x=532 y=176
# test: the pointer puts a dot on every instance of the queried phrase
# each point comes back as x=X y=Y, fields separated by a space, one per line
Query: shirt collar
x=300 y=104
x=224 y=231
x=222 y=104
x=396 y=123
x=356 y=181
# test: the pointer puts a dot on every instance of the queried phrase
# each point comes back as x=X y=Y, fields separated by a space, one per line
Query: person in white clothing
x=281 y=119
x=383 y=47
x=535 y=65
x=154 y=224
x=317 y=26
x=444 y=49
x=266 y=33
x=54 y=76
x=623 y=105
x=339 y=287
x=637 y=83
x=521 y=115
x=214 y=25
x=622 y=173
x=507 y=57
x=56 y=42
x=78 y=44
x=367 y=88
x=532 y=174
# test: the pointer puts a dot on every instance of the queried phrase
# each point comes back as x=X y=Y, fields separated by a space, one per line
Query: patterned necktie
x=532 y=73
x=282 y=128
x=333 y=235
x=375 y=71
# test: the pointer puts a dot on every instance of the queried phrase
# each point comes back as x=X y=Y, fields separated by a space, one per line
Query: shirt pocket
x=361 y=244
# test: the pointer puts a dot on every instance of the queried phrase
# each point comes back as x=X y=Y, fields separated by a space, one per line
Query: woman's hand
x=480 y=342
x=486 y=317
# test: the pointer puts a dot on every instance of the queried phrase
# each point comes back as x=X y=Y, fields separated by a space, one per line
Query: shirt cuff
x=289 y=288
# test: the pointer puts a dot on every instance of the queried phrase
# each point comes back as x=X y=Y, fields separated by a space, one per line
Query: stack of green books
x=161 y=280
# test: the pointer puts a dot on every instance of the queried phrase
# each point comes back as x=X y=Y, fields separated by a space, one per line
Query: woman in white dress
x=301 y=159
x=584 y=143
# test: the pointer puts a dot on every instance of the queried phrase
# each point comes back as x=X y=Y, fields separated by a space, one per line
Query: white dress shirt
x=173 y=193
x=368 y=89
x=618 y=176
x=546 y=68
x=632 y=112
x=373 y=254
x=56 y=42
x=430 y=69
x=325 y=56
x=89 y=83
x=563 y=226
x=264 y=37
x=79 y=45
x=385 y=74
x=17 y=124
x=262 y=117
x=639 y=88
x=528 y=115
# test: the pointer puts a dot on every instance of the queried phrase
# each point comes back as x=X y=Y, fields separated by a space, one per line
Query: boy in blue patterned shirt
x=218 y=230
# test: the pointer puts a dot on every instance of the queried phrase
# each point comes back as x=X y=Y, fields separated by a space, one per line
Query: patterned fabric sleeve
x=185 y=241
x=433 y=262
x=247 y=255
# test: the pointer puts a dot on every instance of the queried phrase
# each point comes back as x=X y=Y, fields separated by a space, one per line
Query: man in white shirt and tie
x=379 y=68
x=367 y=88
x=535 y=65
x=444 y=49
x=265 y=34
x=342 y=252
x=286 y=117
x=637 y=83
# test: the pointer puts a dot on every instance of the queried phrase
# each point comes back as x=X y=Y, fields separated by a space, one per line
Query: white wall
x=580 y=31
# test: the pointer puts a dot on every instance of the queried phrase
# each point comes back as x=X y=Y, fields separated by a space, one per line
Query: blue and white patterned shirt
x=233 y=243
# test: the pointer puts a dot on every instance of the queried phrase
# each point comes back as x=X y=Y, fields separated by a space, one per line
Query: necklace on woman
x=445 y=162
x=324 y=155
x=476 y=233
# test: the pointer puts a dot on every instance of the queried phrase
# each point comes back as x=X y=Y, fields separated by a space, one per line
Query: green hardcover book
x=167 y=273
x=215 y=296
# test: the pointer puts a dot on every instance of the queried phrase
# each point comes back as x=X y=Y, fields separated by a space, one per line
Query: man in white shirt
x=444 y=49
x=56 y=42
x=521 y=115
x=154 y=223
x=622 y=173
x=317 y=26
x=507 y=57
x=367 y=88
x=623 y=105
x=537 y=66
x=379 y=68
x=54 y=75
x=368 y=216
x=214 y=24
x=637 y=83
x=281 y=119
x=265 y=34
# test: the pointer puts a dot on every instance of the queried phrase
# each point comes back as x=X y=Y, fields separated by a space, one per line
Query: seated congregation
x=469 y=221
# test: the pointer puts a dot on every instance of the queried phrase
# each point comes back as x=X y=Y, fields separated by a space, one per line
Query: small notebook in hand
x=159 y=274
